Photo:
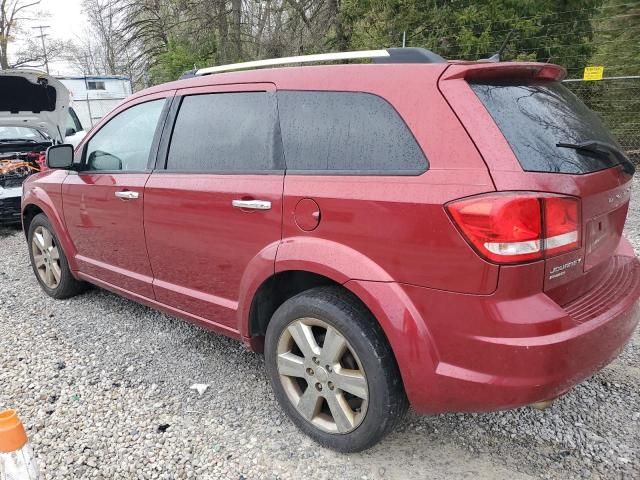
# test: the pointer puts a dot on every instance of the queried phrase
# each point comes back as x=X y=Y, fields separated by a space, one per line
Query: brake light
x=518 y=227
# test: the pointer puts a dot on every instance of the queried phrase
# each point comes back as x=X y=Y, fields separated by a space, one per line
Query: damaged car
x=22 y=153
x=34 y=114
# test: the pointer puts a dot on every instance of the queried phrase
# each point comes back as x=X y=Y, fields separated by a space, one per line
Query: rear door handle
x=252 y=204
x=127 y=195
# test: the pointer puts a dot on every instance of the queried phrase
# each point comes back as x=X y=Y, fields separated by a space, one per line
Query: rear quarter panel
x=600 y=192
x=395 y=224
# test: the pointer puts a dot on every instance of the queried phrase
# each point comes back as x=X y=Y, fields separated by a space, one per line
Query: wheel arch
x=28 y=214
x=274 y=291
x=38 y=201
x=307 y=263
x=296 y=264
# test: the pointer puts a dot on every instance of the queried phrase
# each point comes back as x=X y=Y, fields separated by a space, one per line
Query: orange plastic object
x=12 y=434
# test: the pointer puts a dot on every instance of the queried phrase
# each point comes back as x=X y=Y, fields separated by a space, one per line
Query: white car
x=35 y=113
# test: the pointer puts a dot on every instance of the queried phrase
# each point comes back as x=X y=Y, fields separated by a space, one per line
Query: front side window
x=225 y=132
x=124 y=143
x=346 y=132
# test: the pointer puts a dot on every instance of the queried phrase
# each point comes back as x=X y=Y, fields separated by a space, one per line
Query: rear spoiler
x=486 y=71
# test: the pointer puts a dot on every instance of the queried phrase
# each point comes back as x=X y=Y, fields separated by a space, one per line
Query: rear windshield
x=536 y=116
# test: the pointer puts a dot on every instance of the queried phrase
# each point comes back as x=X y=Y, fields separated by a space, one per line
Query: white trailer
x=95 y=96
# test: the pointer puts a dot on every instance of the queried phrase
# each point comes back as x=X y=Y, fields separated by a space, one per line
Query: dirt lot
x=103 y=386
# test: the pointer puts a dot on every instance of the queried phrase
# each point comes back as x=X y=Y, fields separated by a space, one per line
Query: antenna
x=496 y=57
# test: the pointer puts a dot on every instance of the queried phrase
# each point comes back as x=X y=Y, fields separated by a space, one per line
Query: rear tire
x=333 y=371
x=49 y=261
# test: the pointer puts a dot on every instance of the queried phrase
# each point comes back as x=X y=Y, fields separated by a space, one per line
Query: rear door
x=103 y=202
x=536 y=135
x=214 y=204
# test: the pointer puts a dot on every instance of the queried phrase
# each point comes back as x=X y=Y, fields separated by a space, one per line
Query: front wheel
x=332 y=370
x=49 y=261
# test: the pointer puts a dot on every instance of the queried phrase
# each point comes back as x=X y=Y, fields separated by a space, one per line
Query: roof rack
x=389 y=55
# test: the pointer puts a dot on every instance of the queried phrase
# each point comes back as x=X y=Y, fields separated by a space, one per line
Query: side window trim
x=154 y=144
x=162 y=153
x=355 y=172
x=416 y=172
x=162 y=158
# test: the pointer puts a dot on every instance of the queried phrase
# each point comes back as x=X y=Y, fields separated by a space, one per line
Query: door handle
x=127 y=195
x=252 y=204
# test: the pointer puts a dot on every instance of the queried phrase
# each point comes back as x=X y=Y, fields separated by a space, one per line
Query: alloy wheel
x=46 y=257
x=322 y=375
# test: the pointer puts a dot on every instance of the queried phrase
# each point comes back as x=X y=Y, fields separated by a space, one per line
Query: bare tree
x=145 y=34
x=30 y=53
x=106 y=48
x=12 y=14
x=103 y=48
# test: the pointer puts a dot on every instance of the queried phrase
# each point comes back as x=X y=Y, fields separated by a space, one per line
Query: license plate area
x=603 y=236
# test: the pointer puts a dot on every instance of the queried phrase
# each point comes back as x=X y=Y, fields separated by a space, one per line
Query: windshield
x=536 y=116
x=17 y=133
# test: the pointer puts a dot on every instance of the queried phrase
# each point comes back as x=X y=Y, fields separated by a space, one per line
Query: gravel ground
x=103 y=387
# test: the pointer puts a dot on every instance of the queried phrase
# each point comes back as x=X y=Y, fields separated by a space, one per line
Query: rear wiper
x=603 y=150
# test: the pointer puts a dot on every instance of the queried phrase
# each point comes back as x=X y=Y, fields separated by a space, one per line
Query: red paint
x=108 y=232
x=467 y=333
x=199 y=245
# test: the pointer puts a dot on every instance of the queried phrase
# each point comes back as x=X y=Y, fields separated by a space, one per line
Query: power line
x=521 y=38
x=564 y=46
x=446 y=30
x=44 y=46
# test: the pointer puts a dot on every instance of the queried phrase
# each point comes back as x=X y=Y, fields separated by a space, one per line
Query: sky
x=67 y=22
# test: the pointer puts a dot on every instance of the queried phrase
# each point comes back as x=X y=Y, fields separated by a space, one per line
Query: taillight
x=518 y=227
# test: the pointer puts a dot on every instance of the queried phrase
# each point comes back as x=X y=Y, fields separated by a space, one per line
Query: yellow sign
x=593 y=73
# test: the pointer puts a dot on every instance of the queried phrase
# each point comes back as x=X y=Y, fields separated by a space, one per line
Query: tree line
x=153 y=41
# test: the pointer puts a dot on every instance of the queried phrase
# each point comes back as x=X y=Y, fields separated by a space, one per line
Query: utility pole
x=86 y=88
x=44 y=46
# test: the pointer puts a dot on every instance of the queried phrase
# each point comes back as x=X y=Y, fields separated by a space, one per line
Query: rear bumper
x=513 y=348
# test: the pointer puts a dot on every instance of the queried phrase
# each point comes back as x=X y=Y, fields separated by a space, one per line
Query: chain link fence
x=617 y=101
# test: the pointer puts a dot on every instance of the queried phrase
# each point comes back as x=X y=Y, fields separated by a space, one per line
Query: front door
x=217 y=206
x=103 y=203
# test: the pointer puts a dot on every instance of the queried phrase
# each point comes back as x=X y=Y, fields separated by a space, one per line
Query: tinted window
x=225 y=132
x=124 y=143
x=537 y=116
x=343 y=131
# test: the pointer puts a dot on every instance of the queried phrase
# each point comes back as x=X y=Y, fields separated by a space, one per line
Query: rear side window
x=225 y=132
x=536 y=116
x=345 y=132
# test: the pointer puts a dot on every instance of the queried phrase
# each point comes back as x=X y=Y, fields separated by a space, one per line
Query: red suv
x=441 y=234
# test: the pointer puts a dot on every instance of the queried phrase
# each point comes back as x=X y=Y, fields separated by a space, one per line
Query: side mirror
x=100 y=160
x=60 y=156
x=70 y=131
